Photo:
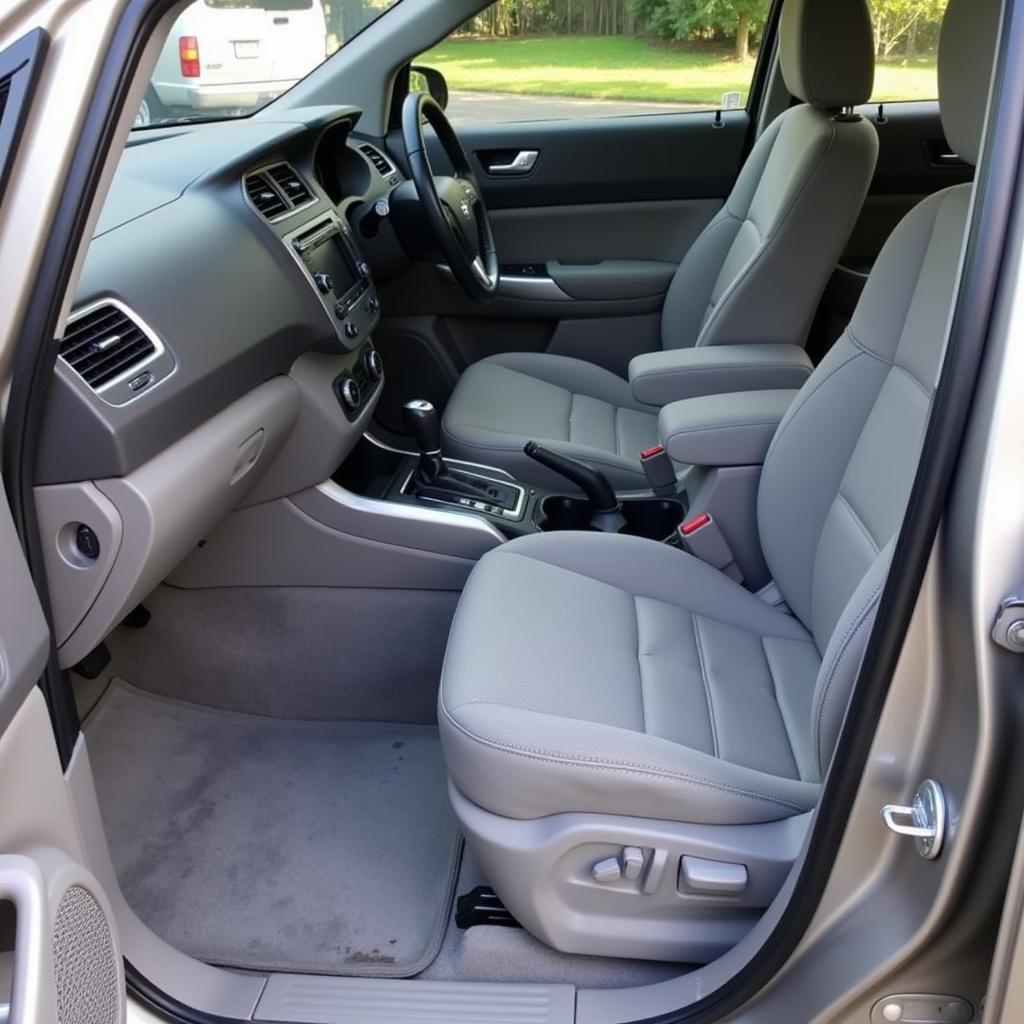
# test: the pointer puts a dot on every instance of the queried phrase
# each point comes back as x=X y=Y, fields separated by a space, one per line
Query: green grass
x=625 y=68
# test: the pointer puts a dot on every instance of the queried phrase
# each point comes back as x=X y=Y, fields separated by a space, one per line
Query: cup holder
x=654 y=518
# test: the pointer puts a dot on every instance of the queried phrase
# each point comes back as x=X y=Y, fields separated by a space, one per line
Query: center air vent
x=277 y=191
x=104 y=344
x=378 y=159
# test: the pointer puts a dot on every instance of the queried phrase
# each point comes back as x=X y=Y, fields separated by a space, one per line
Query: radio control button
x=351 y=331
x=323 y=283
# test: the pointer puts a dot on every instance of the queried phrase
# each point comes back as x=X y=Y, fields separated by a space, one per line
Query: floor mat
x=324 y=847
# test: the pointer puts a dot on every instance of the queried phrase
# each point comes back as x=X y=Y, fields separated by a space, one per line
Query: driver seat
x=635 y=741
x=755 y=274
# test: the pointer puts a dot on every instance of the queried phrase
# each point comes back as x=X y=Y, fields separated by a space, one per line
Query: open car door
x=59 y=954
x=60 y=959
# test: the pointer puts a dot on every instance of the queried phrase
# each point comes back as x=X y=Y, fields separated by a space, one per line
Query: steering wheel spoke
x=453 y=206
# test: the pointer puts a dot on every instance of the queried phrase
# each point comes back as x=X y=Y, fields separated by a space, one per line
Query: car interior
x=463 y=575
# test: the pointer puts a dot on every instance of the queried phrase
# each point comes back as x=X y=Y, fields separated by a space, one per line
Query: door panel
x=59 y=954
x=589 y=238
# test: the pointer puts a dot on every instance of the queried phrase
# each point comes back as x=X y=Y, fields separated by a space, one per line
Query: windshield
x=229 y=58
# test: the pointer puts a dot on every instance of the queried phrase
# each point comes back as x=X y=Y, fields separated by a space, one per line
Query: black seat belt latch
x=701 y=537
x=660 y=472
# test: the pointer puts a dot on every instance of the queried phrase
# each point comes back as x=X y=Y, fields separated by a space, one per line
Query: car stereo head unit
x=340 y=276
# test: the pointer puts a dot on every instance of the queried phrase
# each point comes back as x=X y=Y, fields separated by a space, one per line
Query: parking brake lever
x=606 y=509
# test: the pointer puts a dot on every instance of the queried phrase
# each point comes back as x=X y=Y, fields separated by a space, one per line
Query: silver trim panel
x=469 y=505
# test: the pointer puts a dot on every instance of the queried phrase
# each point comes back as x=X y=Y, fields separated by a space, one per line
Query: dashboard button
x=374 y=364
x=373 y=305
x=351 y=331
x=323 y=283
x=350 y=393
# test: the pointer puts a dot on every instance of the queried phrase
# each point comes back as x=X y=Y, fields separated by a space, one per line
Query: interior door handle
x=521 y=163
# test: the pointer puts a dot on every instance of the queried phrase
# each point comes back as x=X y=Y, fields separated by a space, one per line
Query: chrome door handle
x=521 y=163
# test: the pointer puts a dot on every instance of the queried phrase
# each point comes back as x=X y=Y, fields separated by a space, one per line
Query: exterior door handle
x=521 y=163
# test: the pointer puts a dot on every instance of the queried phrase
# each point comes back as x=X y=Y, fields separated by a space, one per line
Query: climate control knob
x=351 y=394
x=374 y=364
x=323 y=282
x=351 y=331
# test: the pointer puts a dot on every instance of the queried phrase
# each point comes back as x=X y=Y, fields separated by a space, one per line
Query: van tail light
x=188 y=55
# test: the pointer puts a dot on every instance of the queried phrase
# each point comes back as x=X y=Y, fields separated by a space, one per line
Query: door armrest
x=732 y=429
x=658 y=378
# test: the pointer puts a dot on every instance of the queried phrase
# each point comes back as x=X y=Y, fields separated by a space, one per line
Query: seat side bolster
x=733 y=429
x=658 y=378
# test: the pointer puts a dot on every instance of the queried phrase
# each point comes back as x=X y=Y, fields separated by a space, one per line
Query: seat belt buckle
x=660 y=472
x=701 y=537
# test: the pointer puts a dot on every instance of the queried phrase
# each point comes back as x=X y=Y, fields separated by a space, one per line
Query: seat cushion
x=569 y=405
x=599 y=673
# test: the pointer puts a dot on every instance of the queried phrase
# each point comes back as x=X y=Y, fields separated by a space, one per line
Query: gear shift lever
x=425 y=425
x=434 y=478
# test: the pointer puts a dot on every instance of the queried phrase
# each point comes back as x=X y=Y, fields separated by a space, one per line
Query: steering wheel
x=453 y=206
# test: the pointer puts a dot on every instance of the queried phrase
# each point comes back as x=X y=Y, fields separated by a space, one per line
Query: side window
x=539 y=60
x=906 y=49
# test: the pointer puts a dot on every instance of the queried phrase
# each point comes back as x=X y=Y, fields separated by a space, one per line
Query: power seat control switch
x=628 y=865
x=711 y=877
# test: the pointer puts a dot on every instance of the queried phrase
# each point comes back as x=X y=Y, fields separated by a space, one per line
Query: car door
x=60 y=957
x=601 y=158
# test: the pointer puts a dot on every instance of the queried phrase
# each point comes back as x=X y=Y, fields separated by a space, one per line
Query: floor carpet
x=268 y=844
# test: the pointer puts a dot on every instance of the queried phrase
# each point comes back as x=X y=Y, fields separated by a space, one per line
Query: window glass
x=906 y=48
x=530 y=60
x=228 y=58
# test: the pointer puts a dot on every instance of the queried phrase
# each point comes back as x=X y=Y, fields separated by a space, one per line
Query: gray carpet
x=347 y=654
x=252 y=842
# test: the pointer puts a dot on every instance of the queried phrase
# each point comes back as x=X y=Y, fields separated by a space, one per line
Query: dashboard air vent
x=294 y=188
x=103 y=344
x=378 y=159
x=264 y=196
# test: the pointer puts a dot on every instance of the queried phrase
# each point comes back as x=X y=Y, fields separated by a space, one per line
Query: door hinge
x=924 y=820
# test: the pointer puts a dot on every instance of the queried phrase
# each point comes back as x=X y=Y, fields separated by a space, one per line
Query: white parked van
x=234 y=55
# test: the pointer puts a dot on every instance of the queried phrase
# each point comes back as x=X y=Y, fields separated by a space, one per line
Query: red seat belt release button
x=660 y=472
x=694 y=524
x=702 y=538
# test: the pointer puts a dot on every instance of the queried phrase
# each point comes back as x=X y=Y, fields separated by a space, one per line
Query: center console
x=513 y=508
x=329 y=254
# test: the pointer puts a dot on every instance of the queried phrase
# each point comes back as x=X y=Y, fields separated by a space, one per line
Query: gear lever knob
x=424 y=423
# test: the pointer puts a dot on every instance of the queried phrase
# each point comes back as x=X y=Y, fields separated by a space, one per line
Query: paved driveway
x=491 y=107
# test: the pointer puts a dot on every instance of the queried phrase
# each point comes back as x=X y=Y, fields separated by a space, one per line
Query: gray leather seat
x=610 y=676
x=755 y=274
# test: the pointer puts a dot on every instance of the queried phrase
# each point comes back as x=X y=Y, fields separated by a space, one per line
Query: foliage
x=685 y=19
x=626 y=68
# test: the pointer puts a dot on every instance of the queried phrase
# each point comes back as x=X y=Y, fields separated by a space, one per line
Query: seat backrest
x=838 y=474
x=757 y=271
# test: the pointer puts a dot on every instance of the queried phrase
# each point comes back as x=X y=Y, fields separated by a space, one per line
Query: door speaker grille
x=84 y=962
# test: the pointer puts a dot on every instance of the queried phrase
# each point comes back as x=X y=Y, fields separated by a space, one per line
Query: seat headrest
x=967 y=53
x=827 y=52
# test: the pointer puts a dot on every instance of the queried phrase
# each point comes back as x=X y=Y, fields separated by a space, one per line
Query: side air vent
x=104 y=344
x=277 y=191
x=378 y=159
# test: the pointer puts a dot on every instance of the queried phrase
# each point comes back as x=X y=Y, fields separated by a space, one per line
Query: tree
x=686 y=19
x=904 y=23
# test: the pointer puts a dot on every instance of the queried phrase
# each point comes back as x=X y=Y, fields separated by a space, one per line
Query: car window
x=229 y=58
x=906 y=49
x=540 y=61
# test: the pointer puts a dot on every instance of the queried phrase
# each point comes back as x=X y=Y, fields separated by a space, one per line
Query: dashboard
x=222 y=254
x=219 y=352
